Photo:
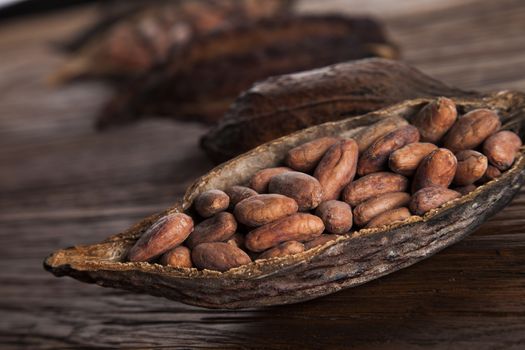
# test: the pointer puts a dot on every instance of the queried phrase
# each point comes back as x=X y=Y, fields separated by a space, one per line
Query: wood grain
x=63 y=184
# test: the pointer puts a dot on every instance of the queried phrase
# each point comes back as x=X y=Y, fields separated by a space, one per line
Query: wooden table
x=61 y=184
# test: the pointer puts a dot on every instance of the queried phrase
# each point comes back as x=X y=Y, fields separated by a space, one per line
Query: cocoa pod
x=471 y=167
x=471 y=130
x=430 y=198
x=297 y=227
x=315 y=272
x=230 y=60
x=375 y=157
x=264 y=208
x=405 y=160
x=260 y=180
x=218 y=228
x=375 y=131
x=436 y=169
x=211 y=202
x=303 y=188
x=389 y=217
x=337 y=168
x=371 y=208
x=283 y=249
x=165 y=234
x=281 y=105
x=373 y=185
x=490 y=174
x=177 y=257
x=464 y=189
x=501 y=149
x=238 y=193
x=336 y=215
x=306 y=156
x=435 y=119
x=322 y=239
x=219 y=256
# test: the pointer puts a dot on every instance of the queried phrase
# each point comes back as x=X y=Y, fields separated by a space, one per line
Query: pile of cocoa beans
x=331 y=186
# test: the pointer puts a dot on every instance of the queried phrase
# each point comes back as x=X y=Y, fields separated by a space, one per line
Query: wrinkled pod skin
x=345 y=262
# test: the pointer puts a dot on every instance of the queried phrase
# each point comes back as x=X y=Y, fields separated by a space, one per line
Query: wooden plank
x=61 y=184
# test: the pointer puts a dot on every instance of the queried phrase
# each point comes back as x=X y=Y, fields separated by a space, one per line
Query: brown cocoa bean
x=219 y=256
x=322 y=239
x=371 y=208
x=373 y=185
x=471 y=167
x=436 y=169
x=177 y=257
x=337 y=168
x=501 y=149
x=405 y=160
x=431 y=197
x=370 y=134
x=283 y=249
x=211 y=202
x=303 y=188
x=465 y=189
x=306 y=156
x=260 y=180
x=264 y=208
x=218 y=228
x=435 y=119
x=165 y=234
x=336 y=215
x=297 y=227
x=470 y=130
x=237 y=240
x=490 y=174
x=389 y=216
x=238 y=193
x=375 y=157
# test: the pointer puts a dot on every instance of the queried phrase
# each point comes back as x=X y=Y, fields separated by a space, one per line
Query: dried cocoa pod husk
x=201 y=80
x=349 y=260
x=151 y=30
x=283 y=104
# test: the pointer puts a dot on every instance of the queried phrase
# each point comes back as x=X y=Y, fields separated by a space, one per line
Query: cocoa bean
x=219 y=256
x=283 y=249
x=389 y=216
x=237 y=240
x=177 y=257
x=259 y=182
x=371 y=208
x=337 y=168
x=211 y=202
x=490 y=174
x=336 y=215
x=464 y=189
x=375 y=131
x=297 y=227
x=303 y=188
x=218 y=228
x=501 y=149
x=436 y=169
x=306 y=156
x=373 y=185
x=471 y=167
x=430 y=198
x=238 y=193
x=470 y=130
x=322 y=239
x=375 y=157
x=264 y=208
x=165 y=234
x=405 y=160
x=435 y=119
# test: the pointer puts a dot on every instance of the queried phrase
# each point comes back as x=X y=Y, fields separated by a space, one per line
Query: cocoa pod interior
x=348 y=261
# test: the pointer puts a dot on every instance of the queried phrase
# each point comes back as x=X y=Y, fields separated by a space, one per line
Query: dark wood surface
x=62 y=184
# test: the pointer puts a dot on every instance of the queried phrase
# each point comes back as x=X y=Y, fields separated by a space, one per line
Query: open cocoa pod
x=131 y=37
x=200 y=80
x=283 y=104
x=350 y=260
